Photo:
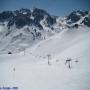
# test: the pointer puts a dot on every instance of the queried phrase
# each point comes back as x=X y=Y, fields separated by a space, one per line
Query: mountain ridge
x=23 y=28
x=29 y=17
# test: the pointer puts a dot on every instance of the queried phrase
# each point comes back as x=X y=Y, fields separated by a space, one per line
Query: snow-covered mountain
x=44 y=43
x=23 y=28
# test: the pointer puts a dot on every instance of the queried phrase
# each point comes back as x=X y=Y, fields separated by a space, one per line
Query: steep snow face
x=64 y=40
x=61 y=23
x=30 y=69
x=14 y=39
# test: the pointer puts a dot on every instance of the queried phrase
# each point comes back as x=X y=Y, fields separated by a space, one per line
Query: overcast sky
x=54 y=7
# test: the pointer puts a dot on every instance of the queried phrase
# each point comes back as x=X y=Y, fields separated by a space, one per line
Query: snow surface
x=29 y=70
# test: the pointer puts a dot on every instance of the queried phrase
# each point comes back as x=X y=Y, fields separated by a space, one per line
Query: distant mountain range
x=27 y=17
x=22 y=28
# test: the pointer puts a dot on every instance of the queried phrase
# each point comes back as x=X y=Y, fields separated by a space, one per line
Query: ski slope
x=29 y=70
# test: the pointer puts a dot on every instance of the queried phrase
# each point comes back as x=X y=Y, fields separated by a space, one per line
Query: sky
x=54 y=7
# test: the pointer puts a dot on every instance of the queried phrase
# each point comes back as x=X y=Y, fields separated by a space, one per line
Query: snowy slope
x=32 y=72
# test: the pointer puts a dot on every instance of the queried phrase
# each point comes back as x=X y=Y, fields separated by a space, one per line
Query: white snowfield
x=29 y=70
